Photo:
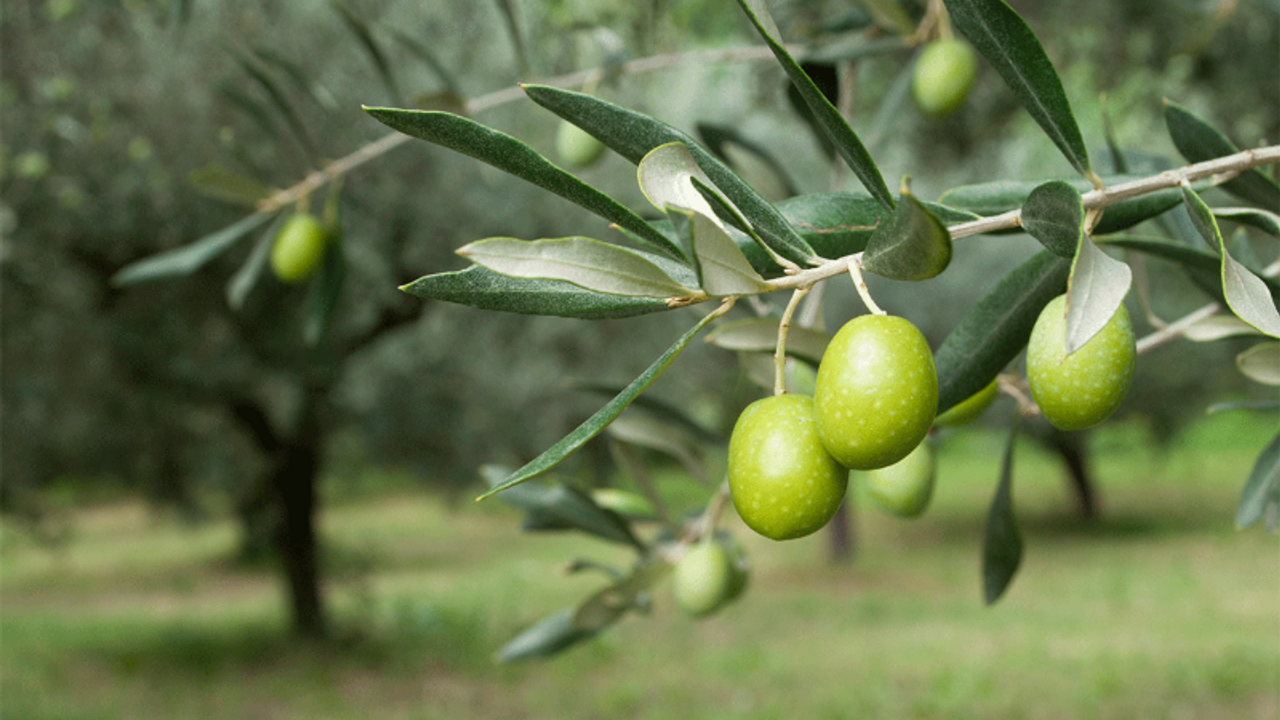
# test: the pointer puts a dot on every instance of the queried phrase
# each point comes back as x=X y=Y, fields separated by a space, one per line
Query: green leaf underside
x=187 y=259
x=1218 y=327
x=222 y=183
x=1098 y=282
x=1199 y=141
x=647 y=430
x=912 y=244
x=666 y=176
x=828 y=117
x=1261 y=495
x=1002 y=543
x=482 y=288
x=1054 y=214
x=605 y=415
x=571 y=508
x=722 y=268
x=1261 y=363
x=322 y=300
x=632 y=135
x=1002 y=196
x=516 y=158
x=1004 y=39
x=1246 y=294
x=549 y=636
x=588 y=263
x=992 y=334
x=761 y=335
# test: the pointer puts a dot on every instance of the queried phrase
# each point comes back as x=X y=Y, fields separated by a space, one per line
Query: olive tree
x=752 y=271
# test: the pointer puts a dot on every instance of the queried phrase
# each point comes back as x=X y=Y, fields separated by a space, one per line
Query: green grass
x=1161 y=610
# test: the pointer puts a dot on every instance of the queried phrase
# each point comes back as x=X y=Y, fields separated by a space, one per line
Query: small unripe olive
x=298 y=249
x=703 y=578
x=876 y=393
x=783 y=482
x=943 y=76
x=905 y=487
x=576 y=147
x=968 y=410
x=1081 y=390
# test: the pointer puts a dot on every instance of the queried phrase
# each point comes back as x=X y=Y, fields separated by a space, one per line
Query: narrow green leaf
x=222 y=183
x=517 y=37
x=1002 y=543
x=1246 y=294
x=1218 y=327
x=512 y=156
x=605 y=415
x=761 y=335
x=842 y=223
x=364 y=34
x=1199 y=141
x=424 y=53
x=187 y=259
x=1002 y=196
x=588 y=263
x=1004 y=39
x=829 y=118
x=655 y=433
x=912 y=244
x=549 y=636
x=665 y=411
x=572 y=508
x=1054 y=214
x=1261 y=363
x=240 y=284
x=482 y=288
x=322 y=299
x=1095 y=291
x=1261 y=496
x=297 y=76
x=998 y=327
x=608 y=605
x=722 y=268
x=1266 y=221
x=666 y=175
x=280 y=102
x=632 y=135
x=889 y=15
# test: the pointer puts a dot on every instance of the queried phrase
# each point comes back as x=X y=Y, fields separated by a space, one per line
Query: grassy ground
x=1162 y=610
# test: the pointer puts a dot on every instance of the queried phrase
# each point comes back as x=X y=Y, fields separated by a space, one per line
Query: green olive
x=905 y=487
x=703 y=578
x=298 y=249
x=876 y=393
x=1081 y=390
x=968 y=410
x=943 y=76
x=784 y=483
x=576 y=147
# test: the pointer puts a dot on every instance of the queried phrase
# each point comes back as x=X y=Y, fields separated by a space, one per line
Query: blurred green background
x=136 y=580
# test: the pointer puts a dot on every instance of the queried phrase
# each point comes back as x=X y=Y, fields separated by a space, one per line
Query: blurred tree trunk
x=841 y=534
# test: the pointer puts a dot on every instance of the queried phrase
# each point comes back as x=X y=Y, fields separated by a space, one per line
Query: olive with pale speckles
x=1081 y=390
x=783 y=482
x=876 y=393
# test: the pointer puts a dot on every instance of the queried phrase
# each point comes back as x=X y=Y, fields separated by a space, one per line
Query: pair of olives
x=874 y=402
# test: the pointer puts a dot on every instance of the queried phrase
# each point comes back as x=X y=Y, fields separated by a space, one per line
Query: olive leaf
x=911 y=244
x=570 y=508
x=1004 y=39
x=516 y=158
x=322 y=299
x=1002 y=543
x=722 y=268
x=1264 y=220
x=244 y=279
x=1054 y=214
x=609 y=604
x=1261 y=495
x=588 y=263
x=991 y=335
x=222 y=183
x=846 y=141
x=482 y=288
x=1000 y=196
x=1246 y=294
x=1217 y=327
x=752 y=161
x=632 y=135
x=1261 y=363
x=592 y=426
x=1199 y=141
x=666 y=176
x=761 y=335
x=188 y=258
x=548 y=636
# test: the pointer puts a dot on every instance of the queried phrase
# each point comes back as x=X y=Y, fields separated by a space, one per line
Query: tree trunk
x=293 y=480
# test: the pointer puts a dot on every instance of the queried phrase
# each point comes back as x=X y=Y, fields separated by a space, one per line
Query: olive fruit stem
x=855 y=271
x=705 y=523
x=1016 y=388
x=780 y=352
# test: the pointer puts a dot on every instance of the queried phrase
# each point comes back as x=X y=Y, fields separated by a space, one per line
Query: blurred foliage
x=108 y=108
